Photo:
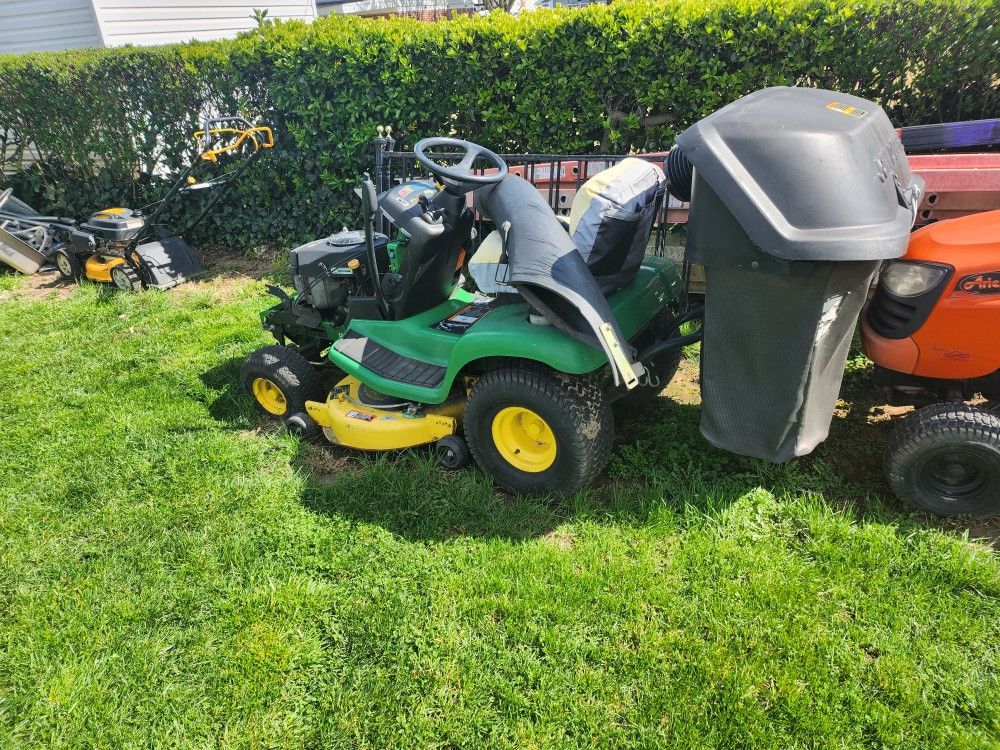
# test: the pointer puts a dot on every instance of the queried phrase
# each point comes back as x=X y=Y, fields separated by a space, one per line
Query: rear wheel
x=125 y=278
x=68 y=263
x=280 y=381
x=536 y=431
x=945 y=459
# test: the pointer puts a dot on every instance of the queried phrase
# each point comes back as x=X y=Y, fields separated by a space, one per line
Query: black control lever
x=281 y=294
x=369 y=206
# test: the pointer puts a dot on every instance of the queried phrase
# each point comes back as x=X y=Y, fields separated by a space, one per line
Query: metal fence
x=557 y=177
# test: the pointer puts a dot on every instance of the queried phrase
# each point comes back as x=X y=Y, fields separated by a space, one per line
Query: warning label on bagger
x=847 y=109
x=461 y=321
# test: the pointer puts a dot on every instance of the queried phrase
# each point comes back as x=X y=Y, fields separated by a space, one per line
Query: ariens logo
x=981 y=283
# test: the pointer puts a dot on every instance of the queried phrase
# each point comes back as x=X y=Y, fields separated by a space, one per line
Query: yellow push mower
x=127 y=247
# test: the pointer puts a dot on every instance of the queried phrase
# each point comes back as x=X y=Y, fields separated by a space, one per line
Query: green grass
x=176 y=573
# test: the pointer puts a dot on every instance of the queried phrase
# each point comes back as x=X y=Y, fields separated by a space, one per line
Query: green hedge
x=619 y=77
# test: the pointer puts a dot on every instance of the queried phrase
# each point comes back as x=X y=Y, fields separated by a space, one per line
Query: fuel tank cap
x=346 y=238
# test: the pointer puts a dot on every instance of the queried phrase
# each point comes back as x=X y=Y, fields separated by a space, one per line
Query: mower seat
x=609 y=222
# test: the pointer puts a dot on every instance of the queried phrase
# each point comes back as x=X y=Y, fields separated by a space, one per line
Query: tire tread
x=290 y=370
x=581 y=397
x=954 y=422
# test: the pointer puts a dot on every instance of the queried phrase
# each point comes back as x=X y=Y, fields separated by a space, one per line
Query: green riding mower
x=513 y=355
x=797 y=196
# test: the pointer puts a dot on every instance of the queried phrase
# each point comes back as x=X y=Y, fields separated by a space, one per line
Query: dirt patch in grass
x=47 y=285
x=227 y=264
x=229 y=272
x=685 y=388
x=561 y=539
x=325 y=461
x=221 y=288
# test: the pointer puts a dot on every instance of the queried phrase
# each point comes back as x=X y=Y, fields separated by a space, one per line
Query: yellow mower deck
x=347 y=421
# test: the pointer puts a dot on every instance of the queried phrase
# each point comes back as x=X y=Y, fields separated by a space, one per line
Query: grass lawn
x=175 y=572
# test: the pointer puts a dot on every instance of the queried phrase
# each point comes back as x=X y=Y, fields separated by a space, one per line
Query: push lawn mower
x=797 y=197
x=931 y=329
x=126 y=246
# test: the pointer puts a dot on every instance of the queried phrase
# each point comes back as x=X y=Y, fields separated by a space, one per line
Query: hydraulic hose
x=680 y=173
x=653 y=350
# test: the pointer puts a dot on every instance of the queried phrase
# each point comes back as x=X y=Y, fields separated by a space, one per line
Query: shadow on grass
x=660 y=464
x=231 y=405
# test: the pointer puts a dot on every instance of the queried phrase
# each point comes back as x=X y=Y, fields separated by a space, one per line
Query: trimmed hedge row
x=607 y=78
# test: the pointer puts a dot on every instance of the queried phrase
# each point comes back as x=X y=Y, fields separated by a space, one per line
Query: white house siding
x=35 y=25
x=165 y=21
x=426 y=9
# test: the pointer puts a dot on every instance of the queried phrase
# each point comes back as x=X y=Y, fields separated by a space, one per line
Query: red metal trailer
x=957 y=183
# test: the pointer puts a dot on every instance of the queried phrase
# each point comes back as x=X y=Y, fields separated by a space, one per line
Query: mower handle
x=237 y=130
x=226 y=120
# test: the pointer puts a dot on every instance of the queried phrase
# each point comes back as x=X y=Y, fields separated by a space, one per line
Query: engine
x=108 y=230
x=115 y=224
x=327 y=271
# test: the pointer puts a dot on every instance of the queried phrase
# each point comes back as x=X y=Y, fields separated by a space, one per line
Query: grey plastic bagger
x=797 y=195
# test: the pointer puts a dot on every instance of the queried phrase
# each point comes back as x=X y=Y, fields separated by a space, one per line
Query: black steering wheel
x=460 y=178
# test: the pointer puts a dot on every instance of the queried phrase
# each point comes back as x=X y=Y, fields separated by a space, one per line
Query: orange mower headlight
x=904 y=278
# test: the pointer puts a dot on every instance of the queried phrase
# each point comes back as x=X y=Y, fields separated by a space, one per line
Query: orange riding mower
x=933 y=330
x=128 y=247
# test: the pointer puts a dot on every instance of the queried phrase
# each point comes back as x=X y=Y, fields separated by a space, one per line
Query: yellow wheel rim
x=270 y=396
x=524 y=439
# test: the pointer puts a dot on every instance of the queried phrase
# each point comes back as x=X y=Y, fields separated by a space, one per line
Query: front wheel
x=125 y=278
x=537 y=431
x=280 y=381
x=945 y=459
